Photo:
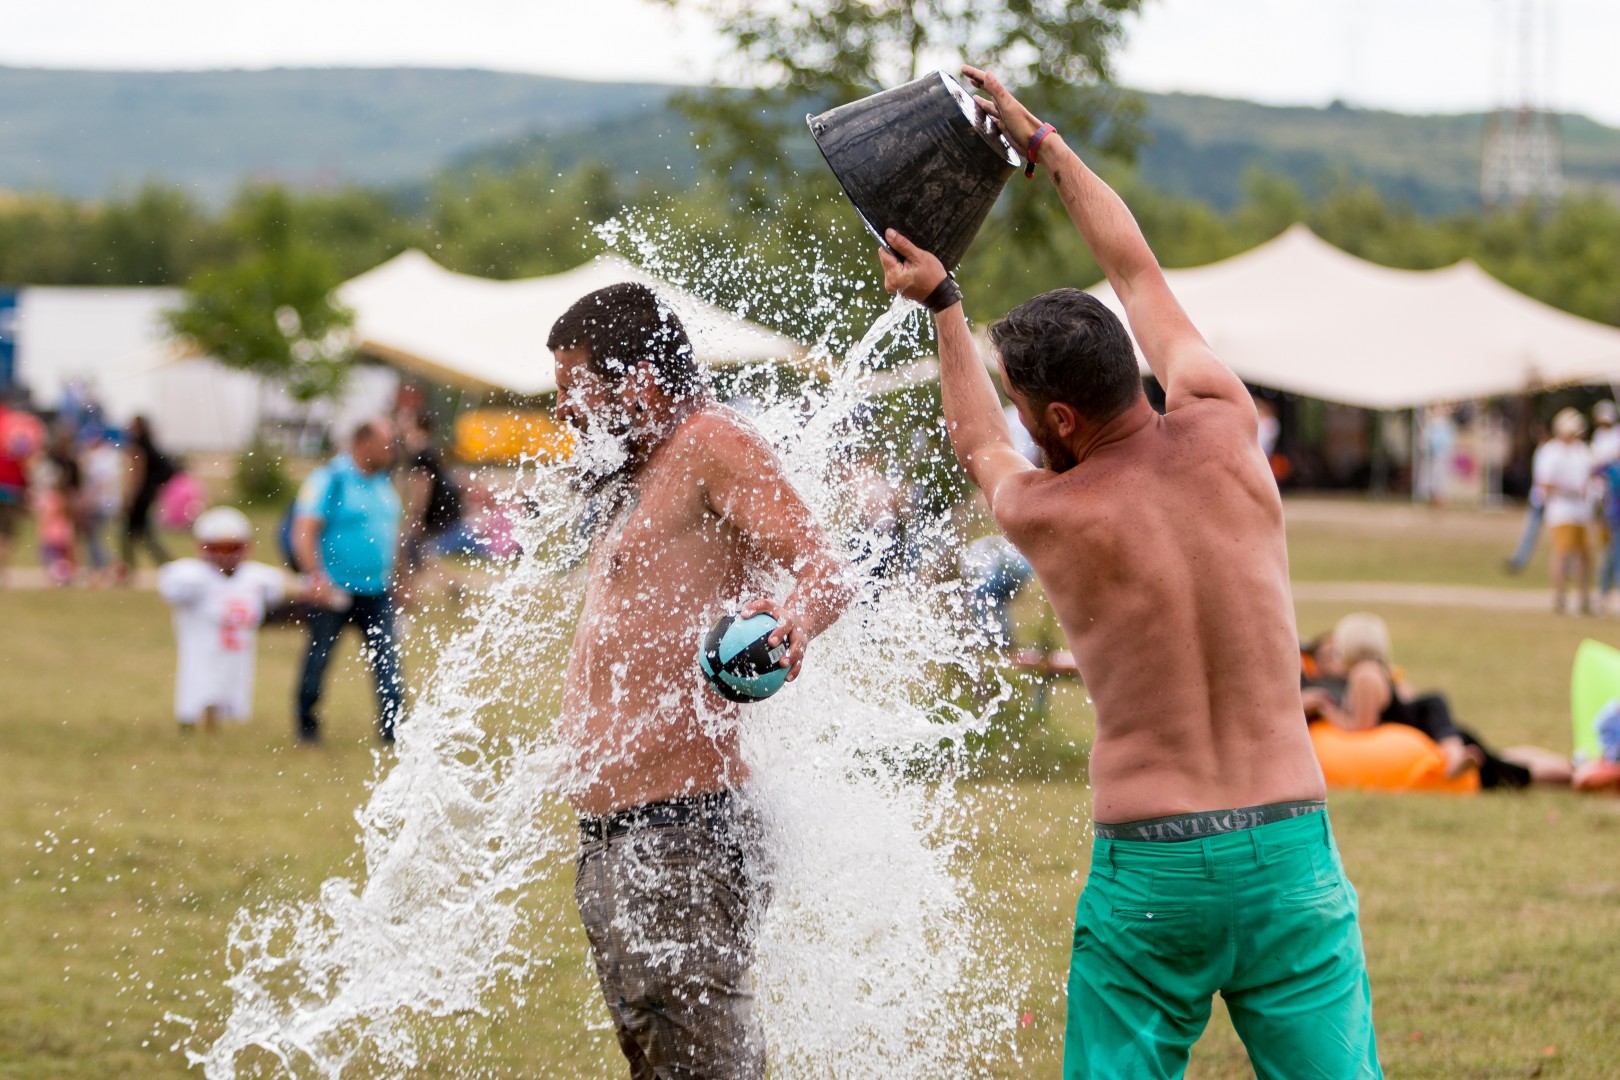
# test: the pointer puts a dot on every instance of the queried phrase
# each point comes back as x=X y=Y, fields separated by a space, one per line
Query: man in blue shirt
x=345 y=535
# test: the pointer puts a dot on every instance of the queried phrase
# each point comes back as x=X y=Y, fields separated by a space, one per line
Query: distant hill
x=1202 y=146
x=88 y=134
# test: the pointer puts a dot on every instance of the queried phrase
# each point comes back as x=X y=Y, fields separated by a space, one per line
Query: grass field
x=125 y=850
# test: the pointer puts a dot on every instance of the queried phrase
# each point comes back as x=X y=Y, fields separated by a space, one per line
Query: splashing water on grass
x=873 y=959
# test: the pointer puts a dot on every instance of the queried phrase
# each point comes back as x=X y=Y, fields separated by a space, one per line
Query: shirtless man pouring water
x=690 y=512
x=1159 y=540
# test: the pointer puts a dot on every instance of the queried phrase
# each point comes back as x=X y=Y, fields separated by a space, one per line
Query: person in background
x=1562 y=473
x=1358 y=688
x=102 y=466
x=1605 y=450
x=433 y=505
x=346 y=525
x=1608 y=478
x=63 y=475
x=149 y=470
x=1605 y=433
x=994 y=571
x=20 y=436
x=1534 y=515
x=53 y=524
x=219 y=601
x=1439 y=443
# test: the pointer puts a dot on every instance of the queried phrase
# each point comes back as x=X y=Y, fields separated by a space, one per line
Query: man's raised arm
x=744 y=484
x=1175 y=350
x=973 y=416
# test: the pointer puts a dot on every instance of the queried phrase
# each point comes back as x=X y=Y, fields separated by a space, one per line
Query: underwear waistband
x=1178 y=828
x=709 y=808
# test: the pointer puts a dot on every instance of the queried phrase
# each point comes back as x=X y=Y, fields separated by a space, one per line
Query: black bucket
x=923 y=159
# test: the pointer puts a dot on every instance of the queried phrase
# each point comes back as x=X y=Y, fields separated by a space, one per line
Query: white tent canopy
x=114 y=342
x=483 y=334
x=1299 y=315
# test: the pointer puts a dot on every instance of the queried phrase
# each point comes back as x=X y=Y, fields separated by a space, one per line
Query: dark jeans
x=671 y=912
x=138 y=526
x=1527 y=539
x=374 y=615
x=1431 y=714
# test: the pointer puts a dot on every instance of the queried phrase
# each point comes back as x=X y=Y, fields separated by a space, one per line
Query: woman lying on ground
x=1356 y=688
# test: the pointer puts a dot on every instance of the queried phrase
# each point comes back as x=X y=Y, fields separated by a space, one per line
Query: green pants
x=1264 y=916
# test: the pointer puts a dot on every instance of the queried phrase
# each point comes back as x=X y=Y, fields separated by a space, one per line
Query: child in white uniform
x=219 y=601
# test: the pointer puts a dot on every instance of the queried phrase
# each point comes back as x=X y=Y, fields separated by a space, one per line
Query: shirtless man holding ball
x=1159 y=540
x=689 y=513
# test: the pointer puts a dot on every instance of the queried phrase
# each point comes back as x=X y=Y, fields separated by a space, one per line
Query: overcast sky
x=1410 y=55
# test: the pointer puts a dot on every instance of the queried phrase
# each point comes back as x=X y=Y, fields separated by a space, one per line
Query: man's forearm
x=973 y=417
x=306 y=545
x=821 y=593
x=1106 y=223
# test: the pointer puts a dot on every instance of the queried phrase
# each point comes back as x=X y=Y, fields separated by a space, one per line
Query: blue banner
x=8 y=338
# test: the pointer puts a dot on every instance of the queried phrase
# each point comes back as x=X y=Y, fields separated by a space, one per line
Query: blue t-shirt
x=360 y=524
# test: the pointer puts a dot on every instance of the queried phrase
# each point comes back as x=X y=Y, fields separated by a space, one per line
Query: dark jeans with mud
x=671 y=895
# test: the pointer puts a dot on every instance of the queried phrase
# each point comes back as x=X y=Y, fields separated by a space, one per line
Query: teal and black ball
x=738 y=661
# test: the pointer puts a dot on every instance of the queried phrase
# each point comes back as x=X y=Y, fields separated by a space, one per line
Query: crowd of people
x=365 y=536
x=83 y=482
x=1575 y=499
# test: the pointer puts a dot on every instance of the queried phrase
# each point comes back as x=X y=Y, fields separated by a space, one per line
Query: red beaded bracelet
x=1034 y=148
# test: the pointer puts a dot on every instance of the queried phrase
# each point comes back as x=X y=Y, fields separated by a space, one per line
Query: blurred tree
x=799 y=56
x=148 y=239
x=44 y=239
x=818 y=52
x=271 y=311
x=525 y=220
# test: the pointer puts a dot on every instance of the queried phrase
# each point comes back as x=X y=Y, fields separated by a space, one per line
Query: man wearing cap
x=219 y=600
x=1562 y=474
x=345 y=538
x=1159 y=541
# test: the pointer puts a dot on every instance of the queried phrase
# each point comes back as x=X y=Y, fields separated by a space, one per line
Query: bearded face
x=1057 y=454
x=602 y=420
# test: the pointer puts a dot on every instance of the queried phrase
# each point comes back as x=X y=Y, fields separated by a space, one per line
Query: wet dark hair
x=1066 y=346
x=624 y=325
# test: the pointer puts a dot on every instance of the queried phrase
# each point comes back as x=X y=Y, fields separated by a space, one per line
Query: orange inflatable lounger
x=1390 y=757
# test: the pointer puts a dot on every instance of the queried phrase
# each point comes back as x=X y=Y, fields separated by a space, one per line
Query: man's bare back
x=1158 y=539
x=1163 y=555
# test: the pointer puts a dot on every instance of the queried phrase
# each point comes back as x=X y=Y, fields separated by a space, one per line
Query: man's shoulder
x=718 y=420
x=1033 y=501
x=719 y=435
x=312 y=492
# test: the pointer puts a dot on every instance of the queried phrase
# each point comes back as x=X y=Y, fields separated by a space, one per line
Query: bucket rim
x=981 y=121
x=849 y=196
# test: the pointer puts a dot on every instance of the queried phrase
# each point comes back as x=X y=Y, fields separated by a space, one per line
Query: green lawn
x=1352 y=540
x=126 y=849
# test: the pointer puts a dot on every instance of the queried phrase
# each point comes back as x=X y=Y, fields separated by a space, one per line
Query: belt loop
x=1209 y=859
x=1259 y=845
x=1108 y=856
x=1327 y=829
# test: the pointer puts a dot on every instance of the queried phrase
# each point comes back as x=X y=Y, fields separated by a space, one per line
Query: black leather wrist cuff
x=946 y=293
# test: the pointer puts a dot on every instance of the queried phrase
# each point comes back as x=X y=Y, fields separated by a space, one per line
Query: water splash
x=874 y=959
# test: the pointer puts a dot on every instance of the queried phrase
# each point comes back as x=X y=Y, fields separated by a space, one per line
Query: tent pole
x=1379 y=473
x=1420 y=472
